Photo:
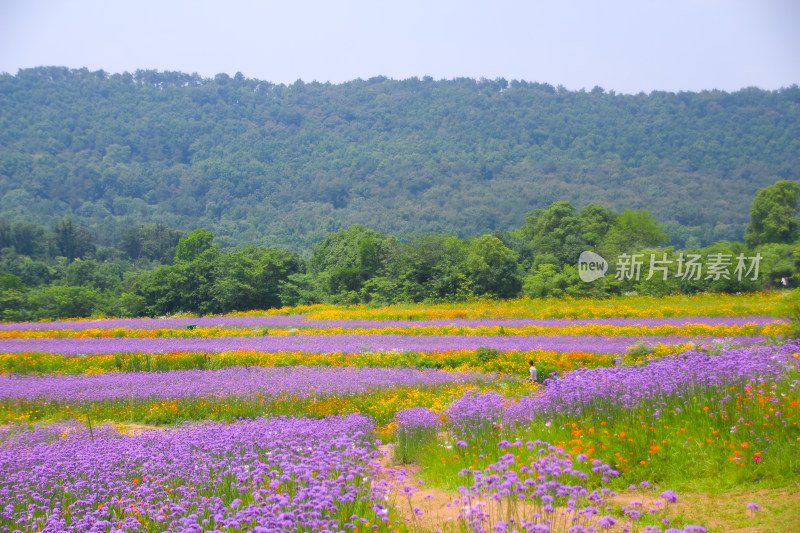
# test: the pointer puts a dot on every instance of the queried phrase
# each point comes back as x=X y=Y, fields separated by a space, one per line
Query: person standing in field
x=532 y=372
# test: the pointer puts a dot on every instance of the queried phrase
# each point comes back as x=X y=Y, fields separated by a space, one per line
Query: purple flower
x=279 y=321
x=417 y=418
x=753 y=506
x=342 y=343
x=239 y=382
x=670 y=496
x=322 y=463
x=606 y=522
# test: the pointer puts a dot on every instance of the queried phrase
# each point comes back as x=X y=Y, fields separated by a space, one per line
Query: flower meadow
x=415 y=418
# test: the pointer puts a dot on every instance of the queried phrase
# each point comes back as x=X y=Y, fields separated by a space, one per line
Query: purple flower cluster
x=545 y=492
x=629 y=386
x=227 y=382
x=349 y=343
x=550 y=478
x=416 y=419
x=476 y=413
x=301 y=321
x=284 y=474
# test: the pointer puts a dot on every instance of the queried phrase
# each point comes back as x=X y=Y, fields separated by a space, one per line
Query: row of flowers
x=515 y=362
x=682 y=327
x=354 y=343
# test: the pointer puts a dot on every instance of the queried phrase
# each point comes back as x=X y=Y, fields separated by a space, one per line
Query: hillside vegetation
x=278 y=165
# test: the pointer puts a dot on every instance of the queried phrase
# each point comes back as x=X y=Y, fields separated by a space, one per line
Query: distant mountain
x=283 y=165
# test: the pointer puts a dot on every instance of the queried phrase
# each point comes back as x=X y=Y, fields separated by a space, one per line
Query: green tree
x=29 y=239
x=189 y=248
x=493 y=268
x=774 y=215
x=595 y=222
x=155 y=242
x=80 y=273
x=253 y=278
x=554 y=234
x=343 y=261
x=631 y=232
x=13 y=298
x=426 y=268
x=73 y=241
x=56 y=301
x=35 y=273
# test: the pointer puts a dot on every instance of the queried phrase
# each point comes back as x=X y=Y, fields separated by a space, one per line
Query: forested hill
x=284 y=165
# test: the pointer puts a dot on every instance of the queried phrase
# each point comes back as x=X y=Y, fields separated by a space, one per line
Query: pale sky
x=627 y=46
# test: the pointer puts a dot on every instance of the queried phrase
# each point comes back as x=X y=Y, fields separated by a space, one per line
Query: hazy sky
x=627 y=46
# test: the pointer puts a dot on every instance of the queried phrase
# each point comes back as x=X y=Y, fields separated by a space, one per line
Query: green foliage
x=362 y=266
x=461 y=156
x=213 y=282
x=12 y=298
x=155 y=242
x=345 y=260
x=484 y=355
x=189 y=248
x=631 y=232
x=73 y=241
x=492 y=268
x=427 y=268
x=774 y=215
x=557 y=235
x=56 y=301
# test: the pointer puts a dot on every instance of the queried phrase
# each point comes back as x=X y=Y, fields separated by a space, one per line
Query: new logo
x=591 y=266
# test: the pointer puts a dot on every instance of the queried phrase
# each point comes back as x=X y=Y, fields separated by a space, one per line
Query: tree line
x=284 y=165
x=154 y=270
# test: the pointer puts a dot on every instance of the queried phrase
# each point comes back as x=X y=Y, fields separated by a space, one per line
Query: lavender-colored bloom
x=299 y=321
x=666 y=377
x=204 y=477
x=417 y=418
x=606 y=521
x=633 y=514
x=476 y=412
x=670 y=496
x=345 y=343
x=752 y=506
x=235 y=381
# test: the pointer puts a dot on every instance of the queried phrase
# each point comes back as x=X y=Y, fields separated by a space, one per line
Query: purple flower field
x=300 y=321
x=508 y=453
x=670 y=377
x=283 y=474
x=351 y=343
x=240 y=382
